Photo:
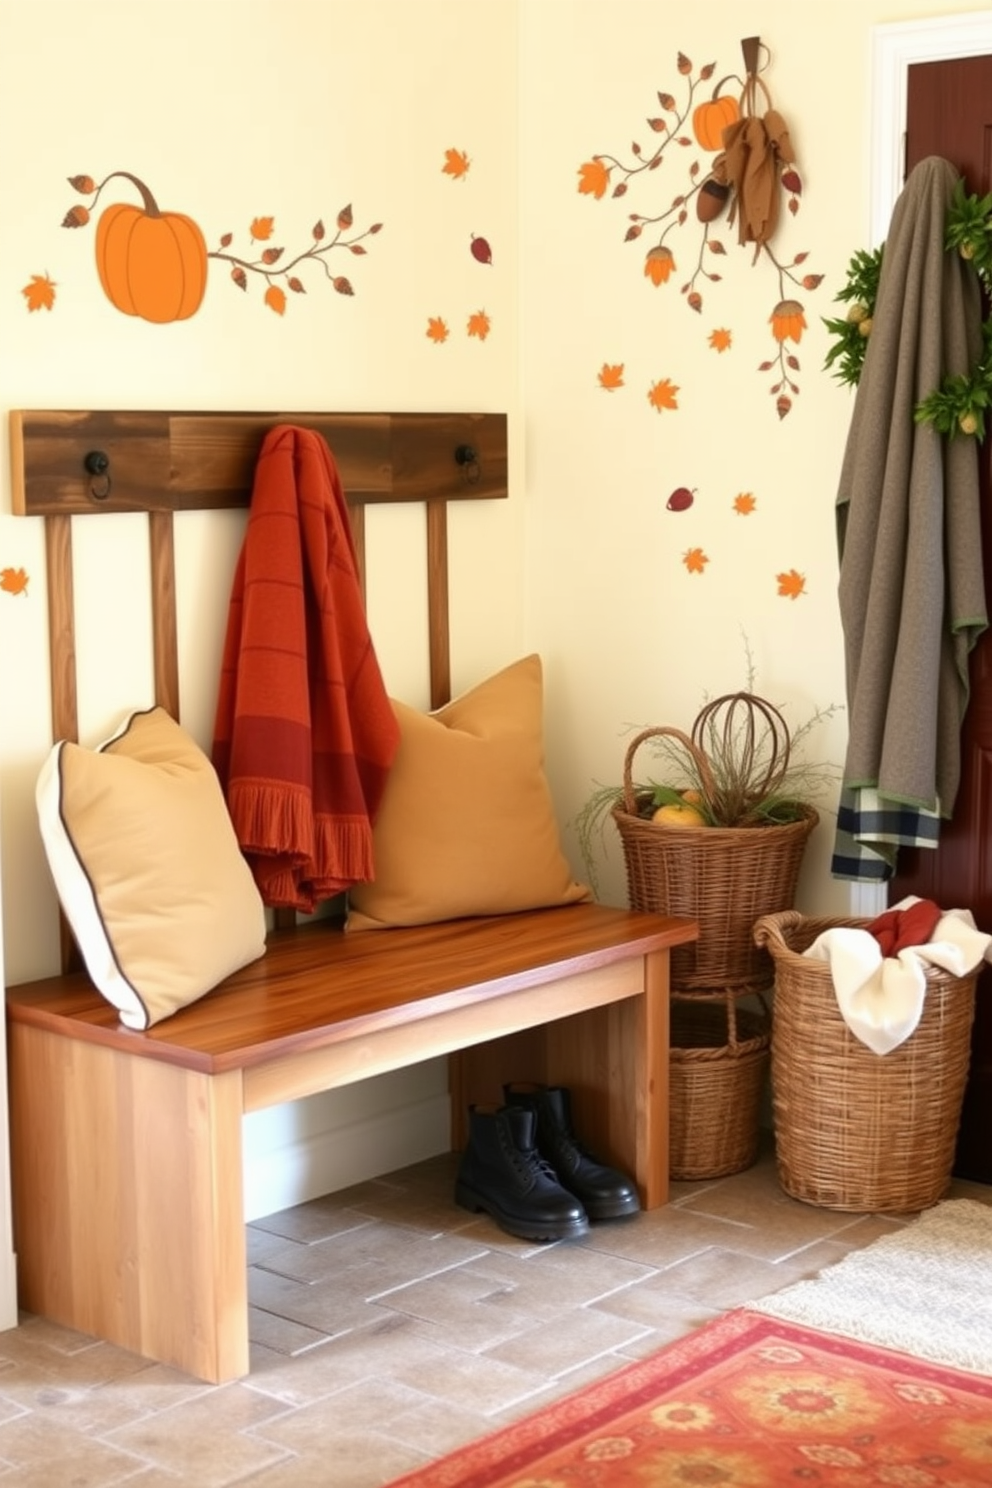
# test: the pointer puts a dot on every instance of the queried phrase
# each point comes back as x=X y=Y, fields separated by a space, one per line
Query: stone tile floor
x=389 y=1326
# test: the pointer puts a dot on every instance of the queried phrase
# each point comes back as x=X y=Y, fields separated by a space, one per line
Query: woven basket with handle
x=856 y=1130
x=717 y=1069
x=725 y=878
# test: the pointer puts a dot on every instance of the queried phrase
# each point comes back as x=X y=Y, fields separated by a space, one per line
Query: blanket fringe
x=263 y=813
x=323 y=856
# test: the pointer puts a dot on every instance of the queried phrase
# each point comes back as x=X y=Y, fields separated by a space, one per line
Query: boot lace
x=529 y=1163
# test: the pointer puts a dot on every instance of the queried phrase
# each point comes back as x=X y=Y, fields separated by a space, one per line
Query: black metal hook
x=467 y=457
x=97 y=463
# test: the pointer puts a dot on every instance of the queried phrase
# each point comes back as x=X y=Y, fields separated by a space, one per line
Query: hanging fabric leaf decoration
x=756 y=150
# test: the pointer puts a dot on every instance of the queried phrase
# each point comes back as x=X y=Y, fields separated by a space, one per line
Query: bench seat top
x=317 y=985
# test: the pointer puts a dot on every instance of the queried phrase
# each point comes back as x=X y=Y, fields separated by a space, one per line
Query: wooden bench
x=126 y=1147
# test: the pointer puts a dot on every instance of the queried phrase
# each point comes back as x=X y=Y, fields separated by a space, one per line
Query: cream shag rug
x=924 y=1290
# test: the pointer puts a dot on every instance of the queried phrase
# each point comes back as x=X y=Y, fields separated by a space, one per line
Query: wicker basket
x=724 y=878
x=718 y=1064
x=856 y=1130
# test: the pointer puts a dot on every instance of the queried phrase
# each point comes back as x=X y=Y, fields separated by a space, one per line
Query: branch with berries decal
x=153 y=264
x=265 y=263
x=788 y=322
x=751 y=174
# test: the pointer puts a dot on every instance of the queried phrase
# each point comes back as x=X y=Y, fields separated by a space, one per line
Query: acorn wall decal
x=711 y=199
x=481 y=249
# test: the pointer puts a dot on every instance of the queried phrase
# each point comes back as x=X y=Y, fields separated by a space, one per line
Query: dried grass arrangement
x=740 y=766
x=719 y=839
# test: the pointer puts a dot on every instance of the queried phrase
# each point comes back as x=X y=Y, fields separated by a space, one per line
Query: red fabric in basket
x=898 y=929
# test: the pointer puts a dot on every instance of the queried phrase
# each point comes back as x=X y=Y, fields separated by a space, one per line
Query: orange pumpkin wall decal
x=710 y=119
x=151 y=263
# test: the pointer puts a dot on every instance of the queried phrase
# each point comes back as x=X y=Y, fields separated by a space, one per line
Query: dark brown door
x=949 y=113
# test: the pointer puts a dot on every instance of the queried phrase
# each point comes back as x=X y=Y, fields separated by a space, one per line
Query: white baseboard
x=323 y=1161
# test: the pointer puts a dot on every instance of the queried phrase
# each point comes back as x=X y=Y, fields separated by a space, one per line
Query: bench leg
x=127 y=1201
x=615 y=1061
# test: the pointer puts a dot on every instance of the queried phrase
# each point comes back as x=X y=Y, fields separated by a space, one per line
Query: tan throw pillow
x=147 y=867
x=467 y=824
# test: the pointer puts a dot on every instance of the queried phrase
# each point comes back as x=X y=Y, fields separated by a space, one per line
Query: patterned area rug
x=747 y=1401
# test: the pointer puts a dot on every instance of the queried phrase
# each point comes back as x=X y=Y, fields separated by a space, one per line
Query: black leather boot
x=502 y=1173
x=605 y=1193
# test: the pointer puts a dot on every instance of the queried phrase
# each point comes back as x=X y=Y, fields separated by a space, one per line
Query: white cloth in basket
x=881 y=997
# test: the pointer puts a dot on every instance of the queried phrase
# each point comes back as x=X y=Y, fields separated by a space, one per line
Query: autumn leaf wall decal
x=663 y=394
x=724 y=128
x=479 y=325
x=681 y=499
x=14 y=581
x=611 y=376
x=153 y=264
x=40 y=292
x=480 y=249
x=456 y=164
x=791 y=584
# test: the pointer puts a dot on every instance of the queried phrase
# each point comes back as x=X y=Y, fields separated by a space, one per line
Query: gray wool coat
x=911 y=589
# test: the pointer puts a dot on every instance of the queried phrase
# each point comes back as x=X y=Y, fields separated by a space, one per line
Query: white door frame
x=894 y=49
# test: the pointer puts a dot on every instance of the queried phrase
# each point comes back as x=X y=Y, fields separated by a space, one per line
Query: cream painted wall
x=631 y=639
x=294 y=108
x=228 y=111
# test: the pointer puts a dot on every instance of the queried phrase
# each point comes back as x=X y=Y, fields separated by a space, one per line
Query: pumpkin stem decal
x=153 y=264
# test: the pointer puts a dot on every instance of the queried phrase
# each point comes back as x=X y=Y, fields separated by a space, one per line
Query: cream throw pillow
x=147 y=867
x=467 y=825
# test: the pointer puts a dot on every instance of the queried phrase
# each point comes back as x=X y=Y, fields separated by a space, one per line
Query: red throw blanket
x=305 y=733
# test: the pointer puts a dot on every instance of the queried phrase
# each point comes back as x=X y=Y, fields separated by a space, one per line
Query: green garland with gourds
x=958 y=406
